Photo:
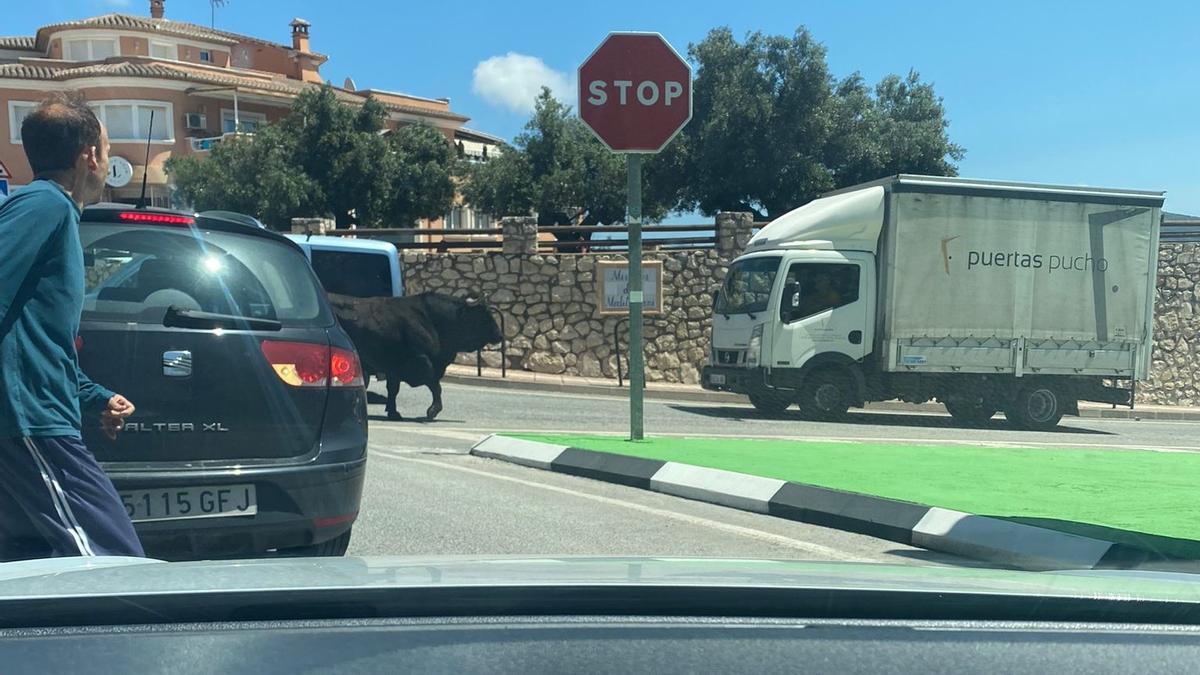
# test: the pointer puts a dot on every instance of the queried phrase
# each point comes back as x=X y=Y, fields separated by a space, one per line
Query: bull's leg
x=435 y=388
x=393 y=389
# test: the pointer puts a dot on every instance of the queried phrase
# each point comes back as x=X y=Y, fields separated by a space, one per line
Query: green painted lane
x=1146 y=498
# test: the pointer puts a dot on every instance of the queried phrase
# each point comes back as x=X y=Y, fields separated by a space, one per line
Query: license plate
x=716 y=378
x=190 y=502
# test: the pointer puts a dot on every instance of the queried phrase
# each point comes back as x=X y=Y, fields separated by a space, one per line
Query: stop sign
x=635 y=92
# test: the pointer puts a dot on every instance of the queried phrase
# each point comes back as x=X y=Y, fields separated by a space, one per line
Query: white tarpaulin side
x=1003 y=268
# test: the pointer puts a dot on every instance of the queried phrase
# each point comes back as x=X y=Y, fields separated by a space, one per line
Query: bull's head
x=478 y=323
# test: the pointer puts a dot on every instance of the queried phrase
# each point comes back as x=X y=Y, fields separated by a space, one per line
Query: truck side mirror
x=791 y=300
x=715 y=294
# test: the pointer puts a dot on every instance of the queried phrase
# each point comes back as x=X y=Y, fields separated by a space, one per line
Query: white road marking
x=766 y=537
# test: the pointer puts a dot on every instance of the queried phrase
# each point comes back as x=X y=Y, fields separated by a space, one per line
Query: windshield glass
x=860 y=283
x=747 y=286
x=133 y=273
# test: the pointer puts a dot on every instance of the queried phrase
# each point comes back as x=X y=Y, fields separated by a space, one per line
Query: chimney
x=156 y=9
x=306 y=63
x=300 y=35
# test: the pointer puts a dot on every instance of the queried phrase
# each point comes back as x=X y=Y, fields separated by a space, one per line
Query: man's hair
x=58 y=131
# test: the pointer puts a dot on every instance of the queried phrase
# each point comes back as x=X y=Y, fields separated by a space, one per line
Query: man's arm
x=93 y=398
x=26 y=224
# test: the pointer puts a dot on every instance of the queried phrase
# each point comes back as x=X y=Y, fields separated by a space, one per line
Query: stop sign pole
x=635 y=94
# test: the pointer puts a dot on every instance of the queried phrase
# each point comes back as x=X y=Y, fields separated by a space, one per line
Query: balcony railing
x=206 y=144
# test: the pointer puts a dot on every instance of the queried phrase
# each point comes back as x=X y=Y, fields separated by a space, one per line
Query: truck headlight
x=754 y=353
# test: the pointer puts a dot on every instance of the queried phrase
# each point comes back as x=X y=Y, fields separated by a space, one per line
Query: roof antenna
x=146 y=166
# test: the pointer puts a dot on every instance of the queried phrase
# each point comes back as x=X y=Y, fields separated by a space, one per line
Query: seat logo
x=177 y=363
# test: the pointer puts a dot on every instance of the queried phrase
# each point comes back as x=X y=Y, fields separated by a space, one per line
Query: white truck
x=984 y=295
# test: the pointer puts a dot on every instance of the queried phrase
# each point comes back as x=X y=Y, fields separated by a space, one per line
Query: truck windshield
x=747 y=287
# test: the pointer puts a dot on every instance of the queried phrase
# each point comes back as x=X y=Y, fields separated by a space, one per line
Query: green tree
x=326 y=158
x=559 y=170
x=772 y=129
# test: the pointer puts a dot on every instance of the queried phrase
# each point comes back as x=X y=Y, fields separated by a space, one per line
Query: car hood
x=97 y=577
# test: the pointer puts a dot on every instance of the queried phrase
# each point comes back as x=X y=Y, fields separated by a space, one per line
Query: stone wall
x=551 y=317
x=1175 y=374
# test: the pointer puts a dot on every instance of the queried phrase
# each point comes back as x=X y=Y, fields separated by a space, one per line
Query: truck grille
x=730 y=357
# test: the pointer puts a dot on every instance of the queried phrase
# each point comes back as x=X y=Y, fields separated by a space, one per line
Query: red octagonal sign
x=635 y=92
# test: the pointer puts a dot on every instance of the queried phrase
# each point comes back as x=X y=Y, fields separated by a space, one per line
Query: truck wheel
x=770 y=402
x=825 y=396
x=1037 y=406
x=973 y=413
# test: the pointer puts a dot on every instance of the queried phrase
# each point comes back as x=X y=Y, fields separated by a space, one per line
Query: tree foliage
x=557 y=169
x=771 y=130
x=325 y=158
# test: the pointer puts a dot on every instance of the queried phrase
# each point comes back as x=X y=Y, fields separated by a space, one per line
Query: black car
x=251 y=429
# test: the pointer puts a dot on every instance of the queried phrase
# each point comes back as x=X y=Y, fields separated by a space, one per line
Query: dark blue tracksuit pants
x=55 y=500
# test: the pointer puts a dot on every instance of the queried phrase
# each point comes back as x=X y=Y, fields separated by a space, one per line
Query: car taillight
x=300 y=364
x=304 y=364
x=344 y=369
x=155 y=218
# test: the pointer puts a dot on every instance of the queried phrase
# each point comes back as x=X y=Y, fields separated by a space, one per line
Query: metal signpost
x=635 y=94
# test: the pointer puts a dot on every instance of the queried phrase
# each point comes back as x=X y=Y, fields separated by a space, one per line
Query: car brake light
x=300 y=364
x=304 y=364
x=344 y=369
x=155 y=218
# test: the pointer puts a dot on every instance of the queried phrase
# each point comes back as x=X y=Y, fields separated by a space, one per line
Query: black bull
x=414 y=339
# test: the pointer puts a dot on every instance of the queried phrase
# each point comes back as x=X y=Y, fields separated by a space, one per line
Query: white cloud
x=514 y=80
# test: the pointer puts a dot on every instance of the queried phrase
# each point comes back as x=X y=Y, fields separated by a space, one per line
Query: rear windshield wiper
x=188 y=318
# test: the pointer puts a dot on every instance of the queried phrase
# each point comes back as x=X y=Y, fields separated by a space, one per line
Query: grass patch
x=1139 y=497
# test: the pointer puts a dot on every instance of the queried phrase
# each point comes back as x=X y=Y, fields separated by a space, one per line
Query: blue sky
x=1097 y=93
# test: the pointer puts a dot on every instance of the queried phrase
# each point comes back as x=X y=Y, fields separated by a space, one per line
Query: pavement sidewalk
x=523 y=380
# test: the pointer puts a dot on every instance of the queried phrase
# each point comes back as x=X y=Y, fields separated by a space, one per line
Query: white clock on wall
x=120 y=172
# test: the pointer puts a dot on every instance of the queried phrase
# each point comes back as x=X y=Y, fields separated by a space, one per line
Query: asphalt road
x=426 y=496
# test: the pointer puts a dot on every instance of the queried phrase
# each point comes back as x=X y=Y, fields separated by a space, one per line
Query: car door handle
x=855 y=337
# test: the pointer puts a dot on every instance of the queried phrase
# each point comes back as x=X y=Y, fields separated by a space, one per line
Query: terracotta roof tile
x=198 y=75
x=17 y=42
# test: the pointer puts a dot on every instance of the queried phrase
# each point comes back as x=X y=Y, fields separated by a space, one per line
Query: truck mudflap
x=735 y=380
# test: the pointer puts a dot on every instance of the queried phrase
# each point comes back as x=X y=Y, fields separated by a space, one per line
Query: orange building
x=199 y=84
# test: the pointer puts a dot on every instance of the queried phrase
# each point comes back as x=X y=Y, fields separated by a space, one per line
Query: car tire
x=334 y=548
x=826 y=395
x=1037 y=407
x=770 y=402
x=973 y=413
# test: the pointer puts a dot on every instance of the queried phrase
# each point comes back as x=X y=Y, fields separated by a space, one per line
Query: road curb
x=994 y=540
x=704 y=396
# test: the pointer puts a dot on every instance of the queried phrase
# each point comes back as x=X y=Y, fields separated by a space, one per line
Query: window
x=747 y=287
x=92 y=49
x=134 y=272
x=130 y=120
x=205 y=56
x=249 y=121
x=454 y=219
x=17 y=112
x=820 y=287
x=164 y=50
x=360 y=274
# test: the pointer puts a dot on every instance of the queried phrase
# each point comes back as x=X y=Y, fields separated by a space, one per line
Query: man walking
x=54 y=498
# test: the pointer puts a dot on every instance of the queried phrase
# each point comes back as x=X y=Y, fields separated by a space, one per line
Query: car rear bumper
x=297 y=506
x=736 y=380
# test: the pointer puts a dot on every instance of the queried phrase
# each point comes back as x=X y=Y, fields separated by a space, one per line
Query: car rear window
x=360 y=274
x=135 y=272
